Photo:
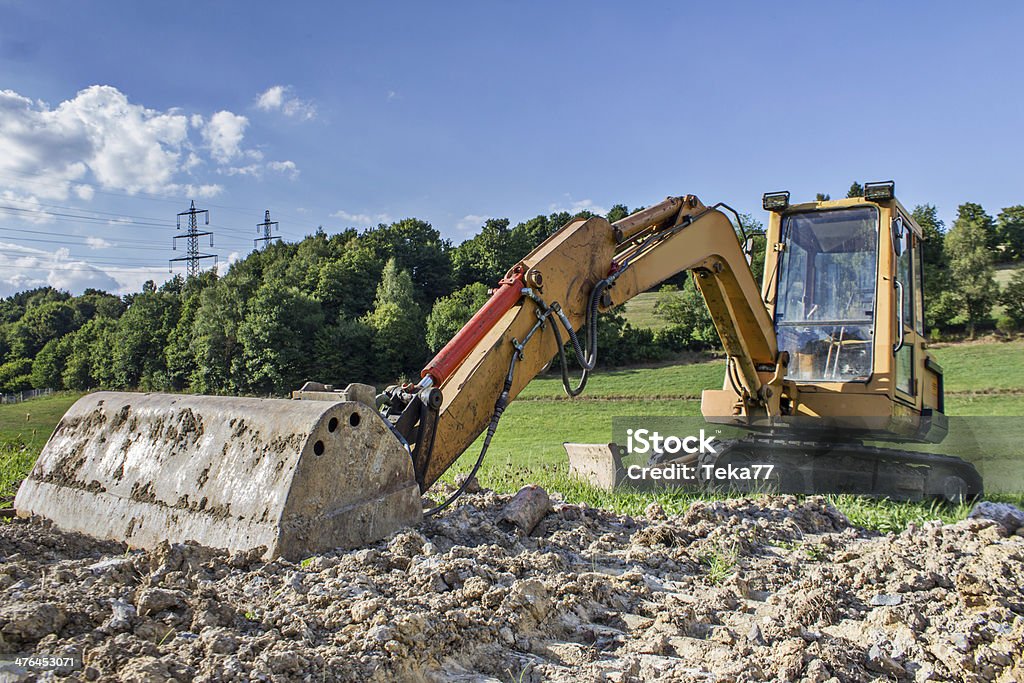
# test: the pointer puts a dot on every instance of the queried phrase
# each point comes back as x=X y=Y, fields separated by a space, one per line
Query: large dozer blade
x=597 y=464
x=295 y=477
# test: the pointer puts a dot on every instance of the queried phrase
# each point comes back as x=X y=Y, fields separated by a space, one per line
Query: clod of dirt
x=527 y=508
x=774 y=588
x=1010 y=517
x=472 y=487
x=26 y=623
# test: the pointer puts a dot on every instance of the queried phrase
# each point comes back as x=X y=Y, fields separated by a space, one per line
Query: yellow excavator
x=828 y=353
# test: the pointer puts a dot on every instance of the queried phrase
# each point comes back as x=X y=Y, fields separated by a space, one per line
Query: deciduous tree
x=397 y=323
x=1010 y=229
x=970 y=264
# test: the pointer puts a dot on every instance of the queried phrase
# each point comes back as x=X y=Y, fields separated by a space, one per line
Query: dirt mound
x=773 y=588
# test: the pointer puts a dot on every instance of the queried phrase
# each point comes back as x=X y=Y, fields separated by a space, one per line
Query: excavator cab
x=843 y=285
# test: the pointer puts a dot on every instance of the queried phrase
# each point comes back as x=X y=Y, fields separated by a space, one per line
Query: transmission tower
x=267 y=227
x=192 y=234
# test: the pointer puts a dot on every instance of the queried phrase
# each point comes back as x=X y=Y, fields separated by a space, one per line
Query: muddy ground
x=766 y=589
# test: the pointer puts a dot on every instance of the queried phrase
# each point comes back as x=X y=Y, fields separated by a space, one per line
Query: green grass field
x=639 y=311
x=982 y=379
x=31 y=423
x=24 y=429
x=1005 y=272
x=982 y=366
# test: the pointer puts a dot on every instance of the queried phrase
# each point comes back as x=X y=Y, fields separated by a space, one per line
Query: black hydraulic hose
x=587 y=358
x=492 y=427
x=564 y=367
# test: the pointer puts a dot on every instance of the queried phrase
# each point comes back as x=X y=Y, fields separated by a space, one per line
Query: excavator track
x=810 y=467
x=777 y=464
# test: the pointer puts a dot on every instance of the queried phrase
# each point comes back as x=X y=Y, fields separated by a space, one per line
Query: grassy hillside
x=32 y=422
x=1005 y=271
x=639 y=311
x=982 y=367
x=668 y=382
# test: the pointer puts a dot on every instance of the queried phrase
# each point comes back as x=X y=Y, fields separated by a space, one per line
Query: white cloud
x=25 y=208
x=361 y=220
x=24 y=268
x=575 y=206
x=281 y=98
x=472 y=222
x=224 y=266
x=131 y=279
x=251 y=169
x=223 y=133
x=98 y=242
x=204 y=191
x=286 y=167
x=99 y=138
x=392 y=95
x=271 y=99
x=193 y=161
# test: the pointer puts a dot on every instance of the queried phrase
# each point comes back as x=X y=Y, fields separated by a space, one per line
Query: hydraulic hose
x=587 y=358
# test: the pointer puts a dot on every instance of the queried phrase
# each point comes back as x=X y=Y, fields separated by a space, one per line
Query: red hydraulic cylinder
x=455 y=351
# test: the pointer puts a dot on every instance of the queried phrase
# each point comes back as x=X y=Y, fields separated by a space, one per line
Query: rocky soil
x=739 y=590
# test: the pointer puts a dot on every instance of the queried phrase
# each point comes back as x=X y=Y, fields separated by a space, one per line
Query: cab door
x=909 y=323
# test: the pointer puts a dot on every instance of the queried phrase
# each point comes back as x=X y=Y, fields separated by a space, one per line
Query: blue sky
x=345 y=114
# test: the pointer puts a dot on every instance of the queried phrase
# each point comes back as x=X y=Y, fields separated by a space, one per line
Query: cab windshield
x=826 y=301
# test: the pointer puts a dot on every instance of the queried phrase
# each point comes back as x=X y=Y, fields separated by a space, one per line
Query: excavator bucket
x=293 y=477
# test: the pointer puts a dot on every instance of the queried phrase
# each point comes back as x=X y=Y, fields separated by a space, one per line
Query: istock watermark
x=645 y=441
x=667 y=452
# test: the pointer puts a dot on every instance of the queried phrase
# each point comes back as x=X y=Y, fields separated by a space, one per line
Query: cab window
x=825 y=310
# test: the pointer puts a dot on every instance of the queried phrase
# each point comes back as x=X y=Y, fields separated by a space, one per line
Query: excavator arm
x=587 y=266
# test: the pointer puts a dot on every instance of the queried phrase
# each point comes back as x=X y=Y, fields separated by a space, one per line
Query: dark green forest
x=372 y=306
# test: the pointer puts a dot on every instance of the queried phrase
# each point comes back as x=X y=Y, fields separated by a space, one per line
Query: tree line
x=374 y=305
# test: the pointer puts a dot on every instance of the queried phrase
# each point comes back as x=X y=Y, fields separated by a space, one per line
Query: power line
x=46 y=255
x=68 y=234
x=193 y=256
x=40 y=179
x=85 y=269
x=95 y=219
x=65 y=243
x=96 y=211
x=14 y=210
